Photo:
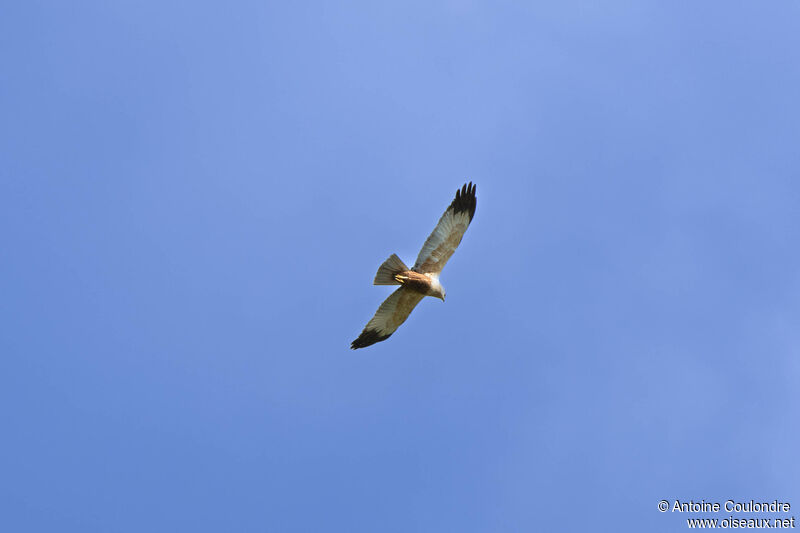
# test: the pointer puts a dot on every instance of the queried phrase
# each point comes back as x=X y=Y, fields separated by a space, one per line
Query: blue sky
x=195 y=196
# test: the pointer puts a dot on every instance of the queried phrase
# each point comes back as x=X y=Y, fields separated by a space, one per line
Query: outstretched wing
x=448 y=233
x=390 y=315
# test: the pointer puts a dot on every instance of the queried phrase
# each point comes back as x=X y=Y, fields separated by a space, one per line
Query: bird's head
x=437 y=291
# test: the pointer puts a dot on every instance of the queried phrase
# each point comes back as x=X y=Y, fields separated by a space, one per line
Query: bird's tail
x=388 y=270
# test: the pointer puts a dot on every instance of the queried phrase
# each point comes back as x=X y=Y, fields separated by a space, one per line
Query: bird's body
x=423 y=278
x=425 y=284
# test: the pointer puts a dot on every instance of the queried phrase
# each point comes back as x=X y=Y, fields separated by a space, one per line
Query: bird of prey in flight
x=423 y=278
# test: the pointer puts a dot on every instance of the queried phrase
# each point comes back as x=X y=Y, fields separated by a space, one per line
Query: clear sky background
x=195 y=197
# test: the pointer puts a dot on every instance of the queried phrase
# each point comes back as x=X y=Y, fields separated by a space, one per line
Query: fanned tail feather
x=387 y=271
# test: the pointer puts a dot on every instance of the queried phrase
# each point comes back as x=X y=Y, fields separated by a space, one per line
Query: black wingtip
x=465 y=200
x=368 y=337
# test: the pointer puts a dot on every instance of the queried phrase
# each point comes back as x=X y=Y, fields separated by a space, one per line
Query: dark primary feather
x=465 y=200
x=367 y=338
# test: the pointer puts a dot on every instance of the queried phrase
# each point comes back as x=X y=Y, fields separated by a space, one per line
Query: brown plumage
x=423 y=278
x=416 y=282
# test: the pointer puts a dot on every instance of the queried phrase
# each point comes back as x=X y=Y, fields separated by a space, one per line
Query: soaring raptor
x=423 y=279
